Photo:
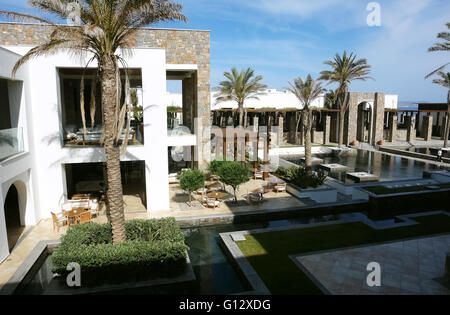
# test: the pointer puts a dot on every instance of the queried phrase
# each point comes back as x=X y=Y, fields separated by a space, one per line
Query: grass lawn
x=381 y=190
x=268 y=252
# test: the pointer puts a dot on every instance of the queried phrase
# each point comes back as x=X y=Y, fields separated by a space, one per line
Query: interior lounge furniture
x=93 y=135
x=212 y=202
x=58 y=220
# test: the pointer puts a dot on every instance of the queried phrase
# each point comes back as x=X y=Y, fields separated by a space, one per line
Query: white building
x=40 y=167
x=272 y=98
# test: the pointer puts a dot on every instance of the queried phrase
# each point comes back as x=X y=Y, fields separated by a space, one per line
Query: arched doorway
x=364 y=122
x=12 y=217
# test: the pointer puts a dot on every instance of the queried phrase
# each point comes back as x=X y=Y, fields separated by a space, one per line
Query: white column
x=155 y=131
x=4 y=250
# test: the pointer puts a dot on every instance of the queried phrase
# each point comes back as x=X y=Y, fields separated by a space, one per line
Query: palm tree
x=306 y=92
x=344 y=70
x=104 y=30
x=445 y=82
x=330 y=99
x=240 y=86
x=445 y=46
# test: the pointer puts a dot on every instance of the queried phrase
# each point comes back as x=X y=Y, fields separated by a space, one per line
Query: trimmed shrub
x=233 y=174
x=302 y=177
x=153 y=248
x=191 y=181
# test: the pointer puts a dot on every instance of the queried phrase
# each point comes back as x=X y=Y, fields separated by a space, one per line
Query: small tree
x=192 y=180
x=233 y=174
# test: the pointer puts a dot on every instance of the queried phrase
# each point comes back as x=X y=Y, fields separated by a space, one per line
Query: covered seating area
x=80 y=209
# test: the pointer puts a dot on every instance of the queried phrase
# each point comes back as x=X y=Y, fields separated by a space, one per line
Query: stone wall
x=352 y=117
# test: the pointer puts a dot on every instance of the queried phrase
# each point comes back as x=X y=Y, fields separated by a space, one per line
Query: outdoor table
x=217 y=195
x=73 y=217
x=276 y=180
x=262 y=190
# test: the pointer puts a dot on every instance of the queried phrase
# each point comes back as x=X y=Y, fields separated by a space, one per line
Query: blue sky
x=284 y=39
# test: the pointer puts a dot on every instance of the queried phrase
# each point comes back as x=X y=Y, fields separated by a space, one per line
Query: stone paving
x=407 y=267
x=273 y=200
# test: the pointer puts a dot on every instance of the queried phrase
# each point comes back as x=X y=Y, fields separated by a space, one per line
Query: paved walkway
x=41 y=231
x=407 y=267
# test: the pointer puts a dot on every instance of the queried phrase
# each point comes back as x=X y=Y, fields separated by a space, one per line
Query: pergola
x=245 y=137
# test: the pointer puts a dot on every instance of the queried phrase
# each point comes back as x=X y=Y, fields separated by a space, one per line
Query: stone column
x=378 y=119
x=255 y=123
x=326 y=129
x=280 y=130
x=392 y=127
x=427 y=127
x=444 y=123
x=410 y=122
x=292 y=130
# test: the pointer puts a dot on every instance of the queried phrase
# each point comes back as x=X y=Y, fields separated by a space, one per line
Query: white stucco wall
x=42 y=167
x=17 y=170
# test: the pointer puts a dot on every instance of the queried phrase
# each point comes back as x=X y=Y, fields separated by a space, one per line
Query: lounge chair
x=281 y=187
x=258 y=175
x=212 y=203
x=255 y=198
x=173 y=178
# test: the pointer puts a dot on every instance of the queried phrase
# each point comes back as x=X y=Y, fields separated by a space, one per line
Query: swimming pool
x=214 y=272
x=385 y=166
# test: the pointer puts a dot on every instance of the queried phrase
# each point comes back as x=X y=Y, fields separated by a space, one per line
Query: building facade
x=44 y=159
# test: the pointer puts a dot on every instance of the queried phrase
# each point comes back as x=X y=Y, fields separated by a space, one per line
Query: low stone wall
x=323 y=194
x=413 y=154
x=383 y=207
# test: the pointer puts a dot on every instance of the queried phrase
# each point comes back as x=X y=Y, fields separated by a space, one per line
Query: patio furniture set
x=80 y=209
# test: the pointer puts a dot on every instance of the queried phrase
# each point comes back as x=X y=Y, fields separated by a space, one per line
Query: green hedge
x=302 y=177
x=153 y=248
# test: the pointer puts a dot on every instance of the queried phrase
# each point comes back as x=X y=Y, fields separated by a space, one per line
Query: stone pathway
x=407 y=267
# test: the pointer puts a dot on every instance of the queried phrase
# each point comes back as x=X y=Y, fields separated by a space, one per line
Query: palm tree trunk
x=241 y=114
x=114 y=193
x=447 y=127
x=307 y=133
x=341 y=127
x=297 y=123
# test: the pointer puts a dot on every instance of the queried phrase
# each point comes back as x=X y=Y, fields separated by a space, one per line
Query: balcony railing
x=11 y=142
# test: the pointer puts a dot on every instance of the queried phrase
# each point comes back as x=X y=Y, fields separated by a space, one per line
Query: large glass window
x=70 y=82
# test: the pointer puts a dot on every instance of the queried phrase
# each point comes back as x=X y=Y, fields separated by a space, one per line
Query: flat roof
x=142 y=28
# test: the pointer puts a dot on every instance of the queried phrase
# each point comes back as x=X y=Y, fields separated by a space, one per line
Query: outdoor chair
x=85 y=217
x=202 y=191
x=280 y=187
x=66 y=207
x=212 y=202
x=58 y=220
x=255 y=198
x=258 y=175
x=94 y=207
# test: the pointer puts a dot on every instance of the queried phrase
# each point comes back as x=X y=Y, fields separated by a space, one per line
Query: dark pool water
x=213 y=270
x=387 y=167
